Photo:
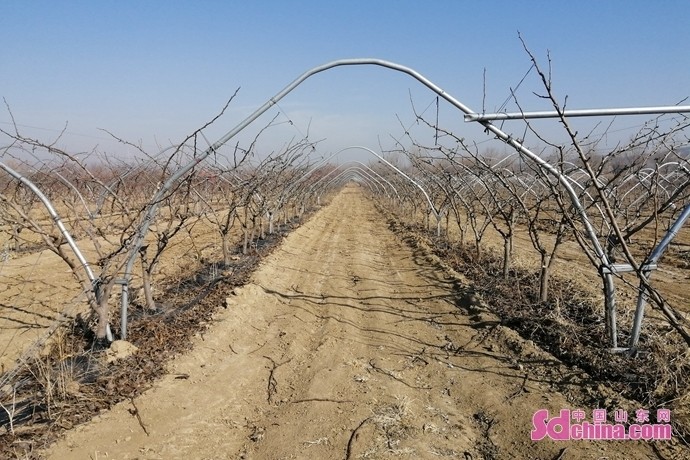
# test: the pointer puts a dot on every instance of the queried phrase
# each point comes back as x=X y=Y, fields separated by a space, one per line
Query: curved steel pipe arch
x=489 y=127
x=379 y=176
x=369 y=171
x=392 y=166
x=324 y=161
x=353 y=170
x=349 y=174
x=56 y=218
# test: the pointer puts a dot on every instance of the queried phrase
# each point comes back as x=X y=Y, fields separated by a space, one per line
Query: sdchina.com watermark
x=571 y=425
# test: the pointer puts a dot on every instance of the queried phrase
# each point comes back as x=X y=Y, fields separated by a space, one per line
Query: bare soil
x=38 y=288
x=349 y=343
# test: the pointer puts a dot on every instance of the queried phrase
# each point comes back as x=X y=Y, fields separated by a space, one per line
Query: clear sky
x=153 y=71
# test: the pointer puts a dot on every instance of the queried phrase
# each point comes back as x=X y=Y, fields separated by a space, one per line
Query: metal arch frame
x=426 y=195
x=313 y=169
x=350 y=172
x=646 y=268
x=651 y=260
x=392 y=166
x=364 y=173
x=65 y=233
x=588 y=195
x=69 y=185
x=489 y=127
x=438 y=213
x=355 y=178
x=601 y=255
x=350 y=169
x=578 y=113
x=139 y=167
x=429 y=177
x=371 y=172
x=649 y=172
x=76 y=190
x=368 y=172
x=56 y=218
x=313 y=185
x=351 y=175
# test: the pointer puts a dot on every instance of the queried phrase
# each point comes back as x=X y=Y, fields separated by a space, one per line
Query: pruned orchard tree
x=104 y=202
x=647 y=157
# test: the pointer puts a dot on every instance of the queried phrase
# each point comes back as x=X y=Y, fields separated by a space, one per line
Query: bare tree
x=649 y=145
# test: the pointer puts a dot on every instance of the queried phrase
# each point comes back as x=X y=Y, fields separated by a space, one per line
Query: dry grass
x=392 y=424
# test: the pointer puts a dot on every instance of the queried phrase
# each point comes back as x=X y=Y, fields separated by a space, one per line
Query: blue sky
x=153 y=71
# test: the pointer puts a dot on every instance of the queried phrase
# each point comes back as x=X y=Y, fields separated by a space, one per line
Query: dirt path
x=347 y=345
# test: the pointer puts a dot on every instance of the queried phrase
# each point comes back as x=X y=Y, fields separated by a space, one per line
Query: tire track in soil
x=347 y=344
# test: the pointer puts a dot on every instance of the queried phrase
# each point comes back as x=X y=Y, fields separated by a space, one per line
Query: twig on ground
x=561 y=454
x=353 y=437
x=272 y=386
x=337 y=401
x=519 y=390
x=394 y=377
x=257 y=349
x=136 y=413
x=418 y=357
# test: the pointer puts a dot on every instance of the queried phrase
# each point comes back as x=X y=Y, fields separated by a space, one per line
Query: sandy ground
x=38 y=288
x=34 y=291
x=348 y=344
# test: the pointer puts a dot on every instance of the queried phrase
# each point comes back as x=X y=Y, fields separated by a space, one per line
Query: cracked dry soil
x=348 y=344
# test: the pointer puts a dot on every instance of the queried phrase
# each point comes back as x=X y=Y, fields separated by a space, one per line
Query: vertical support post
x=652 y=259
x=124 y=303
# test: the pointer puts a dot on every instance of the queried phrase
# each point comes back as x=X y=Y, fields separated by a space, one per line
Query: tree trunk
x=15 y=238
x=226 y=249
x=251 y=235
x=148 y=291
x=245 y=226
x=225 y=234
x=102 y=327
x=146 y=279
x=544 y=278
x=102 y=297
x=506 y=256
